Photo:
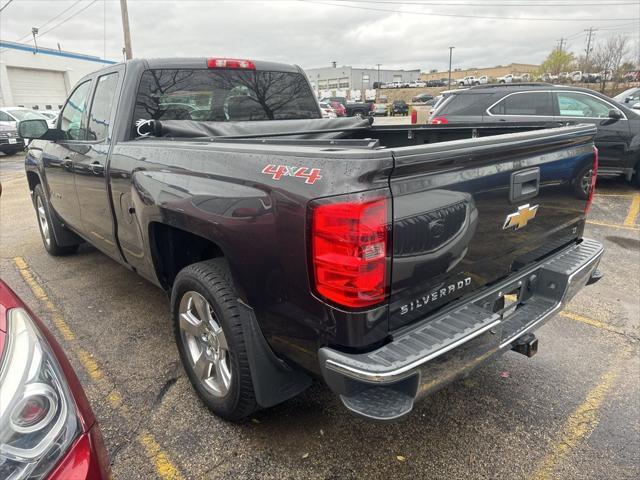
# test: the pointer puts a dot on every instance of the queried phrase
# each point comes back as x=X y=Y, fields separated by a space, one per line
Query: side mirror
x=628 y=99
x=32 y=129
x=615 y=114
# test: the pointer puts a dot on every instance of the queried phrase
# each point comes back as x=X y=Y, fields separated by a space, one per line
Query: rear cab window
x=223 y=96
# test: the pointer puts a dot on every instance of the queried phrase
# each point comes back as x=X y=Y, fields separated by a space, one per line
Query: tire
x=636 y=177
x=583 y=183
x=220 y=348
x=47 y=221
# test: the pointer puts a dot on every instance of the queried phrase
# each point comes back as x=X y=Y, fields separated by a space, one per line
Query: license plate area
x=13 y=140
x=510 y=302
x=507 y=300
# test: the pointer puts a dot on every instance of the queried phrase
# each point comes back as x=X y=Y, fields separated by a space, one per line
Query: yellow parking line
x=614 y=225
x=578 y=426
x=164 y=468
x=90 y=365
x=589 y=321
x=634 y=209
x=624 y=195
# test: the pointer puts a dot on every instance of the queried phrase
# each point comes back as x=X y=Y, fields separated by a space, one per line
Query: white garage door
x=31 y=87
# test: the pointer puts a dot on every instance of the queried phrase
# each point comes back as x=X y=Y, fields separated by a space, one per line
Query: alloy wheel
x=205 y=343
x=42 y=219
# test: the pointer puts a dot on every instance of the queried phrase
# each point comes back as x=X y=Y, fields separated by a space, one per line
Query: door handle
x=96 y=167
x=524 y=184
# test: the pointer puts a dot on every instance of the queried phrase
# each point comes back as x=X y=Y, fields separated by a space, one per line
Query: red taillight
x=594 y=174
x=232 y=63
x=438 y=120
x=414 y=116
x=349 y=241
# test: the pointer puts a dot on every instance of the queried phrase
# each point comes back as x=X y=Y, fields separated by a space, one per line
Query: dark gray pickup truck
x=387 y=261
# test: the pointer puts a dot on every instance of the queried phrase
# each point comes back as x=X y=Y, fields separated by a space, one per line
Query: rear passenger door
x=522 y=107
x=90 y=164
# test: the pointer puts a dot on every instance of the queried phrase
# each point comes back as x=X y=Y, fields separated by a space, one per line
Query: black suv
x=618 y=137
x=399 y=107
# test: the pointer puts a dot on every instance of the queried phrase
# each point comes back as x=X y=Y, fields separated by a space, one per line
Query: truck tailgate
x=468 y=213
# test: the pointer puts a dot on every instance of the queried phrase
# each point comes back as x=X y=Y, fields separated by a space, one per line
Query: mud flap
x=274 y=381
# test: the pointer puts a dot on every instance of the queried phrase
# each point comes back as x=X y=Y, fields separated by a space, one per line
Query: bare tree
x=608 y=58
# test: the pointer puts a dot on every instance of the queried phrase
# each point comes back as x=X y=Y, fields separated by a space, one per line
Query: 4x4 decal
x=310 y=175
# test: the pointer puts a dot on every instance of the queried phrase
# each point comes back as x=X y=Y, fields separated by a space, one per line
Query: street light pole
x=378 y=64
x=450 y=57
x=125 y=27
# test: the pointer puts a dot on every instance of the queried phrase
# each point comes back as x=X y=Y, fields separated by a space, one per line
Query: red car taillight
x=438 y=120
x=414 y=116
x=594 y=174
x=349 y=250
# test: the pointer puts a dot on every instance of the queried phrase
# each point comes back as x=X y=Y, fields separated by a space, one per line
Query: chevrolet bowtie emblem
x=521 y=217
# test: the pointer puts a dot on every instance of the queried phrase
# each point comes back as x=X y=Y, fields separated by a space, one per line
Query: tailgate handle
x=525 y=184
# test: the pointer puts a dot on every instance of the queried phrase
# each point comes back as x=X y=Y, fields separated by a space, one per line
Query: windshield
x=224 y=96
x=25 y=114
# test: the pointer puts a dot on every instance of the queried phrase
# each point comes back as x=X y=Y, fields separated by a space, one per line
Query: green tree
x=557 y=61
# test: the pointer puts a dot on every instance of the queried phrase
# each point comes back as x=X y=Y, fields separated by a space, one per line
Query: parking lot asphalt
x=572 y=411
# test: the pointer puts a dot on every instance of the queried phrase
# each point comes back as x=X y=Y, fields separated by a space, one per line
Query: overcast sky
x=401 y=34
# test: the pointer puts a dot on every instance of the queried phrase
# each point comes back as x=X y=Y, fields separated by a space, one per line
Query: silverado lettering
x=434 y=295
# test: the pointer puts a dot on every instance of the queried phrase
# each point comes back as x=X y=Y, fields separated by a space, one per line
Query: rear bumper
x=384 y=384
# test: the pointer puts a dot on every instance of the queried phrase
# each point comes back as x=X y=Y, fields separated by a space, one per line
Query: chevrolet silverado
x=386 y=260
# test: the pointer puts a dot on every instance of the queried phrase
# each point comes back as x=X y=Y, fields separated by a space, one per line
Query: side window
x=573 y=104
x=71 y=123
x=5 y=118
x=103 y=100
x=526 y=104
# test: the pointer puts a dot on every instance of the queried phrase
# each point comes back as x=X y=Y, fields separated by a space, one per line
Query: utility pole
x=590 y=34
x=379 y=65
x=125 y=28
x=450 y=57
x=561 y=44
x=34 y=31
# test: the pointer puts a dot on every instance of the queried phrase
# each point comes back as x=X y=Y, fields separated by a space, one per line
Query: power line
x=67 y=19
x=455 y=15
x=5 y=5
x=48 y=22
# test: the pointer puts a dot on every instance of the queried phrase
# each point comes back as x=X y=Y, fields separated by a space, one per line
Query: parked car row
x=10 y=116
x=347 y=108
x=443 y=82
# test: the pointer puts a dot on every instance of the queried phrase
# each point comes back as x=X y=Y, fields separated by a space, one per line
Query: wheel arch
x=173 y=248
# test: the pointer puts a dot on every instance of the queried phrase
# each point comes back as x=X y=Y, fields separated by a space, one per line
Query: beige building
x=492 y=72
